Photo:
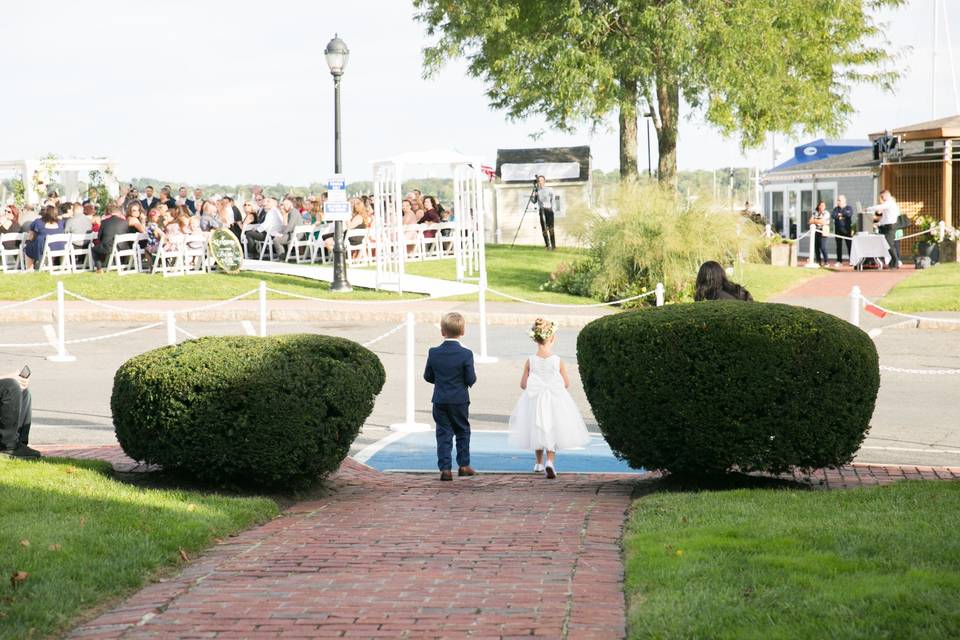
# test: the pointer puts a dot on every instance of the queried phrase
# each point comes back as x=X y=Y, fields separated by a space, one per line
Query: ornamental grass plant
x=654 y=235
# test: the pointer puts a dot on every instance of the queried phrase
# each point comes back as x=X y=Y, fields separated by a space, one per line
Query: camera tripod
x=533 y=192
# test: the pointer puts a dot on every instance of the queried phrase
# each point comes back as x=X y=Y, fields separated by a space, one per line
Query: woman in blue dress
x=47 y=224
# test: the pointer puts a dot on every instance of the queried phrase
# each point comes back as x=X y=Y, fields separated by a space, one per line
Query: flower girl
x=546 y=417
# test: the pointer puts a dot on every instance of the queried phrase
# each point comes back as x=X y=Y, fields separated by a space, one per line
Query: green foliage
x=936 y=289
x=278 y=412
x=654 y=236
x=749 y=67
x=707 y=386
x=795 y=564
x=85 y=538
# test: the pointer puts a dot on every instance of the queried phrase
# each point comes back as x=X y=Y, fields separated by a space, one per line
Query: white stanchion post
x=943 y=230
x=263 y=309
x=484 y=357
x=171 y=328
x=659 y=294
x=410 y=424
x=855 y=306
x=767 y=231
x=812 y=257
x=61 y=355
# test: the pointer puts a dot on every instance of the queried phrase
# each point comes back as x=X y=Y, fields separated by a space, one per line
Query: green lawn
x=936 y=289
x=84 y=538
x=518 y=271
x=143 y=286
x=864 y=563
x=765 y=281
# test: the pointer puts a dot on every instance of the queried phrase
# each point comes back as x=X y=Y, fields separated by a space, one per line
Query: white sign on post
x=336 y=208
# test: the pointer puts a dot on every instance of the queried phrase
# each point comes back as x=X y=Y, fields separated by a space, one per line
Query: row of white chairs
x=306 y=244
x=181 y=255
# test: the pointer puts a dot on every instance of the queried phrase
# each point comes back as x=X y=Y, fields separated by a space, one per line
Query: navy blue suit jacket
x=450 y=371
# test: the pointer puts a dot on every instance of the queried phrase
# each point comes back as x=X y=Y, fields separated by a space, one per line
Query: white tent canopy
x=68 y=171
x=468 y=217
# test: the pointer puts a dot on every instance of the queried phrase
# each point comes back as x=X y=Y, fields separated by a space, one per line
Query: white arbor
x=36 y=175
x=468 y=218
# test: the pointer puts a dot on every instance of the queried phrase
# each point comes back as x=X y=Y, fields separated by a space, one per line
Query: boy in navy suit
x=450 y=371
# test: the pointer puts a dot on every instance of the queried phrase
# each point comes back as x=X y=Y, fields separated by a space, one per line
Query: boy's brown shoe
x=446 y=475
x=466 y=471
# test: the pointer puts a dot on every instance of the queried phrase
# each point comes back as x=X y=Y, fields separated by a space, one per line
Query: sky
x=216 y=91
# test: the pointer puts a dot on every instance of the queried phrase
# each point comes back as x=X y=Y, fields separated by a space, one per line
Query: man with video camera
x=545 y=198
x=15 y=415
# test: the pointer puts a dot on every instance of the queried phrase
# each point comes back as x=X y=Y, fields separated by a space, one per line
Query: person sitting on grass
x=712 y=284
x=15 y=416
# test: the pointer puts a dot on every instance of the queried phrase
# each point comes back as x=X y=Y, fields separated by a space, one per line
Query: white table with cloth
x=869 y=245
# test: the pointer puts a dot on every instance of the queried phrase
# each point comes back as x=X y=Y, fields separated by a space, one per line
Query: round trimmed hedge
x=275 y=412
x=703 y=387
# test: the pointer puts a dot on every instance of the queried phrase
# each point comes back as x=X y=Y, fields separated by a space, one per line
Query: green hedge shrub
x=703 y=387
x=276 y=412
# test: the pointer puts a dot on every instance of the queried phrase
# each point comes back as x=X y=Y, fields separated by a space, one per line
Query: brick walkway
x=837 y=284
x=404 y=556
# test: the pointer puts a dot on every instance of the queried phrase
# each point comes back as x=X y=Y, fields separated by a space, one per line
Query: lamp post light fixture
x=337 y=55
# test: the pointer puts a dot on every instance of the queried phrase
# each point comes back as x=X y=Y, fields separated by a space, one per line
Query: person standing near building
x=820 y=220
x=545 y=198
x=842 y=216
x=886 y=215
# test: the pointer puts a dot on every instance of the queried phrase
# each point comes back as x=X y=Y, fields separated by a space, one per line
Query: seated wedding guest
x=15 y=416
x=430 y=215
x=172 y=229
x=231 y=215
x=273 y=222
x=166 y=198
x=409 y=219
x=28 y=215
x=712 y=284
x=194 y=230
x=92 y=195
x=314 y=213
x=112 y=225
x=293 y=219
x=154 y=231
x=210 y=217
x=64 y=211
x=10 y=223
x=183 y=198
x=359 y=219
x=148 y=199
x=79 y=222
x=135 y=218
x=91 y=211
x=46 y=225
x=249 y=213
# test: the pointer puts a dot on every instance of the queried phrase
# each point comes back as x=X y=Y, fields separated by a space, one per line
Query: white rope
x=338 y=301
x=908 y=315
x=187 y=333
x=221 y=303
x=23 y=302
x=927 y=372
x=110 y=306
x=914 y=235
x=26 y=344
x=114 y=335
x=386 y=335
x=836 y=235
x=574 y=306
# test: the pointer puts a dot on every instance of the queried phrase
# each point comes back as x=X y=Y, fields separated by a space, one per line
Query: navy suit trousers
x=452 y=420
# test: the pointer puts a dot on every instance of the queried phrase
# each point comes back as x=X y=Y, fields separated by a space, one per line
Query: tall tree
x=748 y=66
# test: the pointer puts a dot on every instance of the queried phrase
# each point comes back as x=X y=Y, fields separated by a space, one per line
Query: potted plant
x=782 y=252
x=928 y=241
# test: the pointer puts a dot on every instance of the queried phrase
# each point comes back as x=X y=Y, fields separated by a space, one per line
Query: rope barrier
x=908 y=315
x=24 y=344
x=928 y=372
x=23 y=302
x=188 y=334
x=574 y=306
x=214 y=305
x=338 y=301
x=106 y=305
x=114 y=335
x=386 y=335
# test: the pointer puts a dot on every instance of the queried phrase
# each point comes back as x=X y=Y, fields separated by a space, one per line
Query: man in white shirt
x=78 y=224
x=886 y=215
x=273 y=223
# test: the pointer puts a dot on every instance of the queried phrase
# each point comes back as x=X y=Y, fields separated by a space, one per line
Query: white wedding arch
x=38 y=173
x=469 y=215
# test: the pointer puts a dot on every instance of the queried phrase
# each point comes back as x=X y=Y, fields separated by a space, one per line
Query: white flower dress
x=545 y=416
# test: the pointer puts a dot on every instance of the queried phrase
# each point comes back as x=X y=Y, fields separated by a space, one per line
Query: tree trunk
x=668 y=108
x=628 y=130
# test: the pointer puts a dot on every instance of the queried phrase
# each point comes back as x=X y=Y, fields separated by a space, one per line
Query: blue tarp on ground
x=490 y=452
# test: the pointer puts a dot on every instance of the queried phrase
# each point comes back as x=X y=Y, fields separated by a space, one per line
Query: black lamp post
x=337 y=55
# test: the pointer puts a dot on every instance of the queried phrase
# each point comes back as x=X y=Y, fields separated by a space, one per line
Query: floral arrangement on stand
x=19 y=191
x=932 y=226
x=44 y=174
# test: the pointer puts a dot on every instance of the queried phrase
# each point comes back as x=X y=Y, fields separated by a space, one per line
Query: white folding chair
x=48 y=260
x=81 y=251
x=125 y=256
x=430 y=246
x=445 y=233
x=320 y=253
x=14 y=253
x=301 y=247
x=357 y=254
x=413 y=241
x=195 y=253
x=169 y=261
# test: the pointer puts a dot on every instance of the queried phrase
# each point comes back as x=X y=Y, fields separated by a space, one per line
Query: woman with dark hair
x=431 y=216
x=10 y=223
x=48 y=223
x=712 y=284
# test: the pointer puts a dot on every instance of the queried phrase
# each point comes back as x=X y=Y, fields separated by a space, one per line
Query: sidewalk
x=402 y=555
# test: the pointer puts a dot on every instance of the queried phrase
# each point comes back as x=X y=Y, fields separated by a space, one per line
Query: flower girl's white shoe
x=550 y=472
x=538 y=468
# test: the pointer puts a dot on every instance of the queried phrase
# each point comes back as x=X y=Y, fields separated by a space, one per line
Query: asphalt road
x=916 y=421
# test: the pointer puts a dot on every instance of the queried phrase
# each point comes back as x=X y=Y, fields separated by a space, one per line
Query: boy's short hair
x=452 y=325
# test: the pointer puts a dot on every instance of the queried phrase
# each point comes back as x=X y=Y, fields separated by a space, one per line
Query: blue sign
x=337 y=185
x=336 y=207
